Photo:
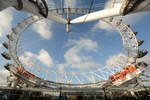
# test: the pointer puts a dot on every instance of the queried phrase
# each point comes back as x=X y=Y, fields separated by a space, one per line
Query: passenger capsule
x=135 y=33
x=14 y=30
x=143 y=64
x=128 y=25
x=7 y=66
x=119 y=22
x=140 y=42
x=142 y=53
x=6 y=56
x=111 y=19
x=9 y=37
x=5 y=45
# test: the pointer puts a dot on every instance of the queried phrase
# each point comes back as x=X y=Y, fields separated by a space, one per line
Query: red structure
x=121 y=75
x=25 y=73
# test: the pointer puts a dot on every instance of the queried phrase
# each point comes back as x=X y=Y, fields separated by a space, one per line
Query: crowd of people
x=121 y=75
x=25 y=73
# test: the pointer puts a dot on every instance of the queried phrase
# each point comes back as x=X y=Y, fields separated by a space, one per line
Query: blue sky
x=87 y=47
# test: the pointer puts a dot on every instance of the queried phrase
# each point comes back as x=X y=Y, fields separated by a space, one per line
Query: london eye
x=126 y=70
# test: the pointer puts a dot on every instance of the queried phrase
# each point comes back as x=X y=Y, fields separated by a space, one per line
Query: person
x=112 y=78
x=127 y=70
x=123 y=74
x=133 y=69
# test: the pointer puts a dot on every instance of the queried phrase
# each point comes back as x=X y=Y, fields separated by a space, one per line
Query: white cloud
x=104 y=26
x=147 y=60
x=3 y=77
x=116 y=62
x=114 y=59
x=120 y=60
x=73 y=54
x=147 y=70
x=101 y=24
x=43 y=28
x=86 y=65
x=6 y=17
x=61 y=68
x=84 y=43
x=43 y=56
x=75 y=58
x=26 y=59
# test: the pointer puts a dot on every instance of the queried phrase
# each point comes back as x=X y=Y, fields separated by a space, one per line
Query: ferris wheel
x=16 y=54
x=101 y=77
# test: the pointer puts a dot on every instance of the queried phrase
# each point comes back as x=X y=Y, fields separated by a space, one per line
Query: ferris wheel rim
x=52 y=71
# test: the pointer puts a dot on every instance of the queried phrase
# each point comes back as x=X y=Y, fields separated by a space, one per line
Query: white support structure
x=33 y=8
x=115 y=11
x=121 y=7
